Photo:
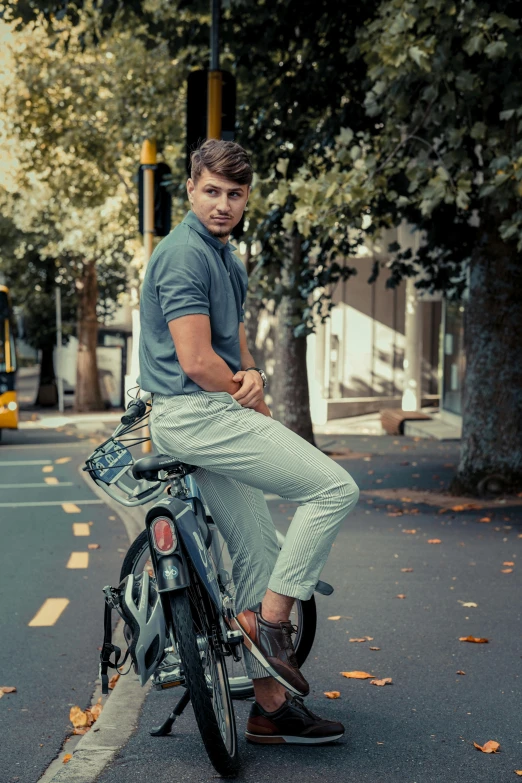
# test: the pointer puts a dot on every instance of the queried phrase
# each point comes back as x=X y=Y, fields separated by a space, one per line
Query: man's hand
x=251 y=393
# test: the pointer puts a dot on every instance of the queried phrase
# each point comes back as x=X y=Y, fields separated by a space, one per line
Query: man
x=209 y=411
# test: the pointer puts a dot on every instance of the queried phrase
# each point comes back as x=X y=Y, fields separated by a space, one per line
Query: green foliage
x=443 y=148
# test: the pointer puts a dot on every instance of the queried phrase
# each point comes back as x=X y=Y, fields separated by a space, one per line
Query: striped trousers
x=240 y=454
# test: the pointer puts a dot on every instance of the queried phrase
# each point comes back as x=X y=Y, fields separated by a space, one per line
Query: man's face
x=218 y=202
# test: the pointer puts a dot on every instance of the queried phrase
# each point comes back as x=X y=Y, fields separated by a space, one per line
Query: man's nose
x=223 y=204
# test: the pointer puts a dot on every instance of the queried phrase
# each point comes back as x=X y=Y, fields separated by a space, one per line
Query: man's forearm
x=247 y=360
x=212 y=373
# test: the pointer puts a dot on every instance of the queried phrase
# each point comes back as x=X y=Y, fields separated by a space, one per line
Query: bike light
x=164 y=535
x=12 y=406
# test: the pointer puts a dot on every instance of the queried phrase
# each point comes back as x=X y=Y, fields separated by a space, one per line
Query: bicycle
x=180 y=550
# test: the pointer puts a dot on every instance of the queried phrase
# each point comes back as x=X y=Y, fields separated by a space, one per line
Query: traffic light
x=162 y=199
x=197 y=109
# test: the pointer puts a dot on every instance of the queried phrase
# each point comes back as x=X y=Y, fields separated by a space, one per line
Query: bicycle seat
x=148 y=467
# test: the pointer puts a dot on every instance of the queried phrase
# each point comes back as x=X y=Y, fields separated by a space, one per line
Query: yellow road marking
x=48 y=469
x=62 y=460
x=71 y=508
x=82 y=528
x=49 y=613
x=51 y=480
x=78 y=560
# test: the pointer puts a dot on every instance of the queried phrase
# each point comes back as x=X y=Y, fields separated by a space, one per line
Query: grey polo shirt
x=189 y=272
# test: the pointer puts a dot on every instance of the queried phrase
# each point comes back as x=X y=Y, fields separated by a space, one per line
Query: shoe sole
x=283 y=739
x=256 y=652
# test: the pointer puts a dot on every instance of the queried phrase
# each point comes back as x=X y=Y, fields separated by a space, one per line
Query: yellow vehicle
x=8 y=402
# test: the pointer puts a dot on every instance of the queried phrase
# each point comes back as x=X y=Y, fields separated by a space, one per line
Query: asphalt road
x=53 y=667
x=421 y=728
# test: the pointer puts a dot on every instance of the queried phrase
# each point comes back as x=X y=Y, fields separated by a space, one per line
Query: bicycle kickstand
x=164 y=729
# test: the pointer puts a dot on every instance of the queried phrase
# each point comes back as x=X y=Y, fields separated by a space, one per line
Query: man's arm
x=247 y=360
x=192 y=340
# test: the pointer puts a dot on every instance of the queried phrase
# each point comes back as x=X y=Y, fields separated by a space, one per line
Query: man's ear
x=190 y=188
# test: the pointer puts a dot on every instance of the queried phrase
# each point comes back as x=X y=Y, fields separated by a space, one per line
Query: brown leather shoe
x=292 y=724
x=271 y=644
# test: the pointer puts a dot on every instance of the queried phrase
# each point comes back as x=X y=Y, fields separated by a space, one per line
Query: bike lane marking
x=47 y=483
x=49 y=612
x=20 y=463
x=81 y=528
x=72 y=505
x=78 y=560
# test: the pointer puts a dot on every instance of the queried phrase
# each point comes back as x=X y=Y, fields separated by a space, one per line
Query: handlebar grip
x=135 y=410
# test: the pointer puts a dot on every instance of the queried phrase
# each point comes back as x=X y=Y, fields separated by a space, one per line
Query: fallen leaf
x=461 y=672
x=466 y=507
x=332 y=694
x=96 y=709
x=7 y=689
x=485 y=519
x=78 y=717
x=401 y=595
x=406 y=500
x=93 y=546
x=67 y=758
x=506 y=570
x=112 y=682
x=434 y=541
x=406 y=570
x=375 y=648
x=396 y=514
x=408 y=531
x=340 y=617
x=518 y=772
x=468 y=604
x=475 y=639
x=81 y=731
x=508 y=563
x=386 y=681
x=358 y=675
x=489 y=747
x=335 y=617
x=362 y=639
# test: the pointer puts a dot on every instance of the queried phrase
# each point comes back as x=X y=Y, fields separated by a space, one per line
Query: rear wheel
x=207 y=680
x=304 y=617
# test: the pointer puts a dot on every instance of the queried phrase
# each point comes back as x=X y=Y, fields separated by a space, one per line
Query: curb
x=119 y=718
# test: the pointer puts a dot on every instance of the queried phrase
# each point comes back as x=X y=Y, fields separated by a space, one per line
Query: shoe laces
x=300 y=703
x=288 y=629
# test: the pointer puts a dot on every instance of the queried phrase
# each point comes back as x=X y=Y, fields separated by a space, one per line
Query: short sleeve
x=182 y=282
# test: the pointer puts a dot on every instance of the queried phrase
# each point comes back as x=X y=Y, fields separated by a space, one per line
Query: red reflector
x=163 y=535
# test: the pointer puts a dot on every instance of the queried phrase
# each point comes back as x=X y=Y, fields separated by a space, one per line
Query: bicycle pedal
x=170 y=677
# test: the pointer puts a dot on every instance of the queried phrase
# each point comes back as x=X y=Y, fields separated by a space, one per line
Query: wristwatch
x=261 y=373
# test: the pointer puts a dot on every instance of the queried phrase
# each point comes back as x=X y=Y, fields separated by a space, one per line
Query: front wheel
x=207 y=681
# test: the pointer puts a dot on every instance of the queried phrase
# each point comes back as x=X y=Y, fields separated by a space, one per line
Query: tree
x=78 y=129
x=443 y=151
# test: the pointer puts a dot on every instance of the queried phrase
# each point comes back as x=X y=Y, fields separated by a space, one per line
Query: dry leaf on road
x=332 y=694
x=112 y=682
x=401 y=595
x=6 y=689
x=466 y=507
x=340 y=617
x=434 y=541
x=518 y=772
x=67 y=757
x=375 y=648
x=468 y=604
x=409 y=531
x=508 y=563
x=93 y=546
x=485 y=519
x=362 y=639
x=385 y=681
x=475 y=639
x=406 y=570
x=461 y=672
x=81 y=719
x=489 y=747
x=358 y=675
x=506 y=570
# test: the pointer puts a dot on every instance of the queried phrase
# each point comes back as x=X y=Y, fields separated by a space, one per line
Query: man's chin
x=224 y=232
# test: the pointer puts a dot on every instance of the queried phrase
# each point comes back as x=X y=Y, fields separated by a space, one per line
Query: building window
x=454 y=359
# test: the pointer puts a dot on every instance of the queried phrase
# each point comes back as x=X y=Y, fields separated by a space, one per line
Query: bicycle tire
x=240 y=689
x=224 y=760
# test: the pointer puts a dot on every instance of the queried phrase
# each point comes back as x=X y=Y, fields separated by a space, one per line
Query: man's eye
x=210 y=190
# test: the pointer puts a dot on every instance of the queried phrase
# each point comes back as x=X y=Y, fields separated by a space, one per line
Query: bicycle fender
x=171 y=573
x=188 y=528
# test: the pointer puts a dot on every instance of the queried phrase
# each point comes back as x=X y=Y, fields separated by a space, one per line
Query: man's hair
x=224 y=158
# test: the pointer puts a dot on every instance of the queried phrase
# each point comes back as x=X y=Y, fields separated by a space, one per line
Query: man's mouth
x=221 y=219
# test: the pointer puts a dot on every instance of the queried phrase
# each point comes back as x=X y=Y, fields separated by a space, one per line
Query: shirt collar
x=194 y=222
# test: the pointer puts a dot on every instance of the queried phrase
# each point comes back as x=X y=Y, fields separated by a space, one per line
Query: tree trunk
x=88 y=396
x=47 y=395
x=289 y=387
x=491 y=452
